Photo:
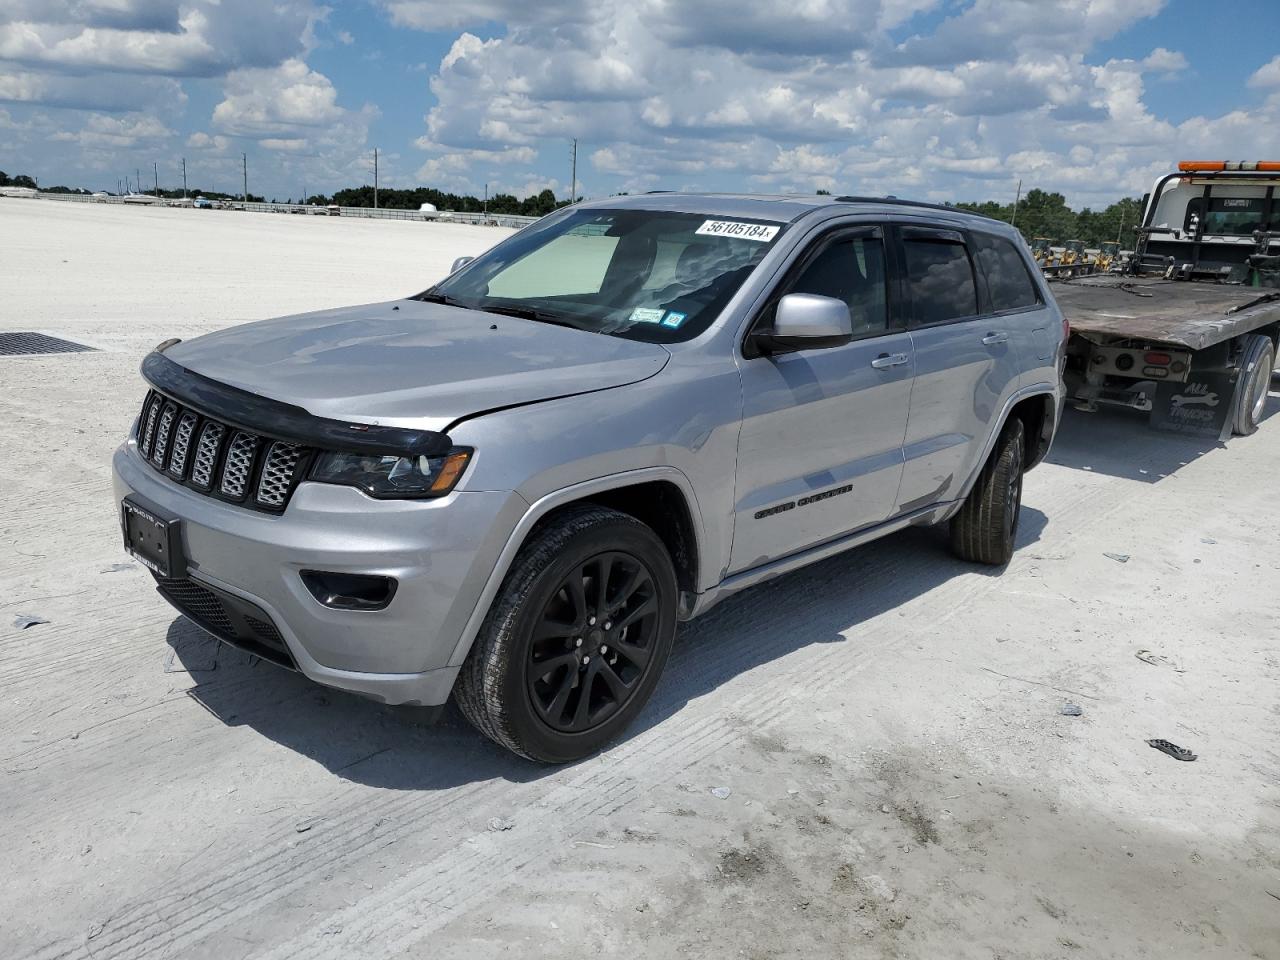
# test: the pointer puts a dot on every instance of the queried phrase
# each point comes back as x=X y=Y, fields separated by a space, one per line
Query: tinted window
x=941 y=281
x=1008 y=282
x=853 y=271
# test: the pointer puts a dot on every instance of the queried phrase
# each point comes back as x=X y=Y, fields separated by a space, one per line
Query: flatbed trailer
x=1188 y=330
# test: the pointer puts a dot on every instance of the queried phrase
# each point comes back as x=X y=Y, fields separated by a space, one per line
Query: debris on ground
x=302 y=826
x=24 y=620
x=721 y=793
x=1117 y=557
x=1208 y=540
x=1070 y=710
x=499 y=824
x=1159 y=660
x=1172 y=749
x=119 y=568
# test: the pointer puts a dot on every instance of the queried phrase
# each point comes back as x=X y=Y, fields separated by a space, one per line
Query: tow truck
x=1185 y=328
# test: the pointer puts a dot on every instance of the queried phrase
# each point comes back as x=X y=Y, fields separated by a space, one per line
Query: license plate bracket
x=153 y=538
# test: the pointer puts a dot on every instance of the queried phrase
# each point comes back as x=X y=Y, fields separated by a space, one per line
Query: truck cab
x=1210 y=217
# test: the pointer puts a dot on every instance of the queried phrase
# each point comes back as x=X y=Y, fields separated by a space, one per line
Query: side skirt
x=925 y=516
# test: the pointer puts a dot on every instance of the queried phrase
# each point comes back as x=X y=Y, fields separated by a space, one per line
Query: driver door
x=820 y=452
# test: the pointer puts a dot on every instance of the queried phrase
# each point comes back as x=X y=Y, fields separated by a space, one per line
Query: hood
x=413 y=364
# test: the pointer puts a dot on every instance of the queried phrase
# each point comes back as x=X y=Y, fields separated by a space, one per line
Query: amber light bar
x=1208 y=166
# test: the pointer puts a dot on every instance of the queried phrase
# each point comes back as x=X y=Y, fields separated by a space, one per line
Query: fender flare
x=549 y=502
x=1042 y=389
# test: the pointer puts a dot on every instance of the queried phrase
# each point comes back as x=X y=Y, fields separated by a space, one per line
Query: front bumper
x=441 y=552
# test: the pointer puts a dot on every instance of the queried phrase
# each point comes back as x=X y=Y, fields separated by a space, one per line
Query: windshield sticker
x=761 y=232
x=674 y=319
x=647 y=315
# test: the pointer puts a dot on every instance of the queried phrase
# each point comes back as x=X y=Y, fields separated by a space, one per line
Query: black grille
x=207 y=455
x=229 y=618
x=200 y=602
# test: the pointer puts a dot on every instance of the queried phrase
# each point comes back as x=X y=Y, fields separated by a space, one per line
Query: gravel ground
x=863 y=759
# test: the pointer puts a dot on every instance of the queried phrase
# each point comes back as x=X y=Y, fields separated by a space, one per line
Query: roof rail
x=894 y=201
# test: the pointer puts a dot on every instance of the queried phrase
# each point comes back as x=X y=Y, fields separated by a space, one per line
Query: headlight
x=393 y=477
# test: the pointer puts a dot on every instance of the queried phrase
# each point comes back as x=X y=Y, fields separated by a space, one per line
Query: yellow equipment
x=1108 y=256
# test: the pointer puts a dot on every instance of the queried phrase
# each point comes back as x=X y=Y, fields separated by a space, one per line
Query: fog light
x=350 y=591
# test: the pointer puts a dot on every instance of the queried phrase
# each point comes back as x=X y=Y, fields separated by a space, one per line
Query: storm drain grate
x=24 y=343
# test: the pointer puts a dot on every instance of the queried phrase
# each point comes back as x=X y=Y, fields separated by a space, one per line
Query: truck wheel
x=575 y=640
x=1256 y=365
x=984 y=529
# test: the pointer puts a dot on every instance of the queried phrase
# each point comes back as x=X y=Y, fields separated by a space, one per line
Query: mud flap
x=1201 y=407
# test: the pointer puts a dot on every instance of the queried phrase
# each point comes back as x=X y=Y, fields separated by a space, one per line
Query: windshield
x=640 y=274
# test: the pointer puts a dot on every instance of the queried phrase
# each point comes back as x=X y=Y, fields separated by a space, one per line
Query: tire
x=986 y=526
x=1257 y=363
x=523 y=684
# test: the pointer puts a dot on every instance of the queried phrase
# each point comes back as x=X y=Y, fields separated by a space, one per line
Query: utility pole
x=155 y=168
x=375 y=178
x=573 y=176
x=1017 y=197
x=244 y=166
x=1120 y=232
x=137 y=180
x=486 y=202
x=184 y=178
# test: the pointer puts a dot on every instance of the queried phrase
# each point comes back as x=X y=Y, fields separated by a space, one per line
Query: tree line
x=536 y=205
x=1045 y=214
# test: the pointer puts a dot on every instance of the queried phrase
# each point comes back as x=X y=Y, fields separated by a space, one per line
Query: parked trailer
x=1188 y=330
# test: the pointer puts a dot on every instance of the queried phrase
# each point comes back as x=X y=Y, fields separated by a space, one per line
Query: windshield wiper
x=529 y=313
x=444 y=298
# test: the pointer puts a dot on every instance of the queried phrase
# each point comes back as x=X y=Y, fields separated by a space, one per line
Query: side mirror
x=806 y=321
x=460 y=263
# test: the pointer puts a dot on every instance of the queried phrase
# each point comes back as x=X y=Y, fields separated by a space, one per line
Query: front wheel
x=984 y=529
x=576 y=639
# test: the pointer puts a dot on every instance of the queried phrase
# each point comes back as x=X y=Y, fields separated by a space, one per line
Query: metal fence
x=379 y=213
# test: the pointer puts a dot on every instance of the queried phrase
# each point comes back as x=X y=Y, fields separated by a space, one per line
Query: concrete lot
x=902 y=783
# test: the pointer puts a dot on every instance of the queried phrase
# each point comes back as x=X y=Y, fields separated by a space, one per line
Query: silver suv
x=511 y=487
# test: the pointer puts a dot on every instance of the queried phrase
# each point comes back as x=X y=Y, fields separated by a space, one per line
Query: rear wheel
x=576 y=639
x=1257 y=362
x=984 y=529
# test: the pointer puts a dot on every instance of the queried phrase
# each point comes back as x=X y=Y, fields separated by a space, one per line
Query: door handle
x=886 y=360
x=991 y=339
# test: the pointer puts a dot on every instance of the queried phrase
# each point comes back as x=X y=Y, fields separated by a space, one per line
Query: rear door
x=966 y=363
x=820 y=452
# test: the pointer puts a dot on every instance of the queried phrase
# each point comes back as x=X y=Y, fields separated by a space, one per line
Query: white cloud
x=267 y=102
x=1161 y=60
x=1268 y=75
x=198 y=38
x=204 y=141
x=686 y=95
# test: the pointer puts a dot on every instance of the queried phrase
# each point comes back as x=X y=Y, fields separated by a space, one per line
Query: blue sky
x=936 y=99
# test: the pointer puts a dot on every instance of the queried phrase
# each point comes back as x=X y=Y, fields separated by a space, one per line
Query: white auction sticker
x=762 y=232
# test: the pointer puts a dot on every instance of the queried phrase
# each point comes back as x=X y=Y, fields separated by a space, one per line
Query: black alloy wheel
x=593 y=642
